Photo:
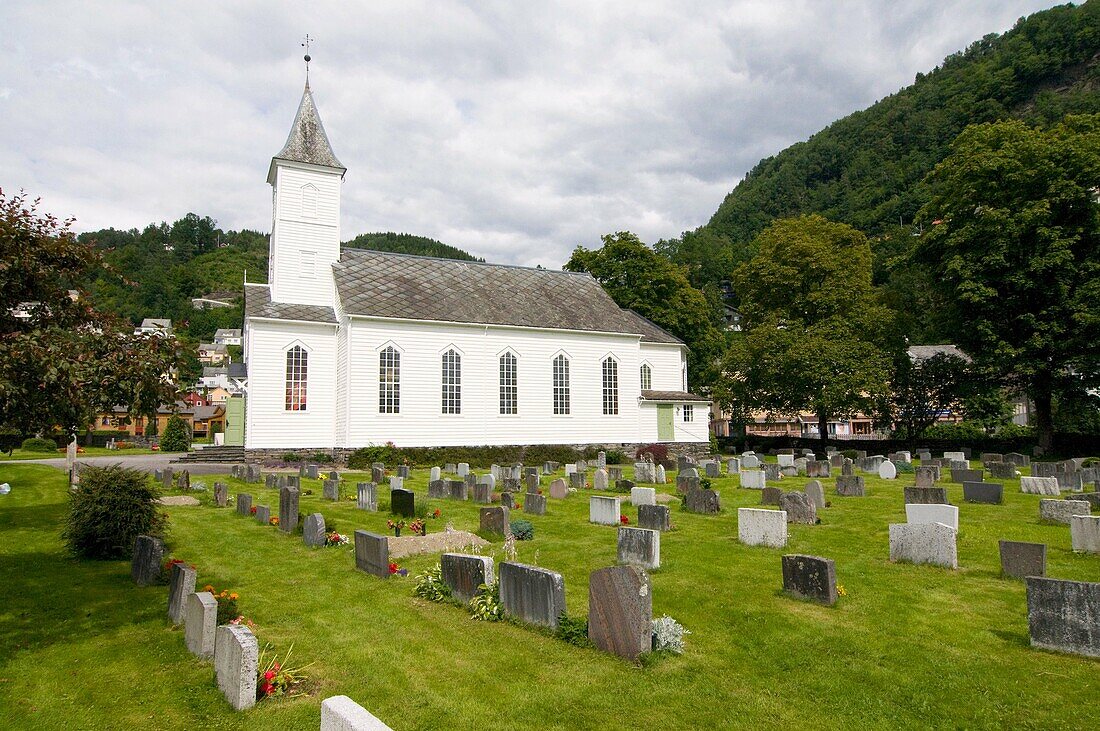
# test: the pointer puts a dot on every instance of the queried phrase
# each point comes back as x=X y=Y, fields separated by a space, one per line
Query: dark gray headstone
x=312 y=472
x=1092 y=498
x=925 y=495
x=403 y=471
x=313 y=530
x=148 y=557
x=534 y=504
x=244 y=504
x=292 y=481
x=482 y=494
x=532 y=482
x=1020 y=560
x=377 y=475
x=263 y=514
x=438 y=489
x=458 y=489
x=181 y=584
x=221 y=494
x=331 y=490
x=712 y=469
x=770 y=496
x=624 y=485
x=288 y=509
x=372 y=553
x=508 y=500
x=620 y=611
x=402 y=502
x=703 y=501
x=464 y=574
x=494 y=520
x=532 y=594
x=926 y=475
x=1002 y=470
x=771 y=471
x=810 y=577
x=800 y=508
x=984 y=492
x=639 y=547
x=818 y=469
x=967 y=475
x=850 y=485
x=654 y=517
x=576 y=480
x=1063 y=615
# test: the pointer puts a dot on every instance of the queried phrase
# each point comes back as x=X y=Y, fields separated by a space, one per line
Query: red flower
x=277 y=667
x=624 y=520
x=267 y=688
x=393 y=568
x=437 y=513
x=269 y=675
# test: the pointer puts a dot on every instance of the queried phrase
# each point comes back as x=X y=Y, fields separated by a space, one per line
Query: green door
x=665 y=431
x=234 y=422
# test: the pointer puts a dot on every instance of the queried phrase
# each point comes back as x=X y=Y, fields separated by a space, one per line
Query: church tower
x=305 y=179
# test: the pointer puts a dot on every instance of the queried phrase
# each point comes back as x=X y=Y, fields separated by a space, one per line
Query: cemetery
x=842 y=590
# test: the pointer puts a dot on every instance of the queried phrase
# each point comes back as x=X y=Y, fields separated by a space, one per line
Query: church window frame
x=297 y=379
x=508 y=370
x=560 y=382
x=646 y=374
x=389 y=380
x=609 y=369
x=451 y=381
x=309 y=200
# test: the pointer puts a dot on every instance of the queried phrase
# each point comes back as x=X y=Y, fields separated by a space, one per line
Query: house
x=207 y=419
x=120 y=419
x=215 y=300
x=227 y=336
x=217 y=396
x=347 y=348
x=154 y=326
x=193 y=398
x=213 y=354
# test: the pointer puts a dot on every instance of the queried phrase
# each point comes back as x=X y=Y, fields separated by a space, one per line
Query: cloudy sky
x=514 y=130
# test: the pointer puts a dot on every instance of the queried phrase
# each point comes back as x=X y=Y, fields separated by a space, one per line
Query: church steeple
x=307 y=141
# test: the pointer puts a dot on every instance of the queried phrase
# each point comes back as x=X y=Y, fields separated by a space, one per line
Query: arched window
x=561 y=385
x=610 y=387
x=452 y=383
x=309 y=201
x=389 y=381
x=297 y=364
x=508 y=384
x=647 y=377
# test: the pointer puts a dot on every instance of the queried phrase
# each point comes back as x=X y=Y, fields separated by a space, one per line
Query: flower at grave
x=252 y=510
x=274 y=520
x=234 y=596
x=393 y=568
x=840 y=590
x=519 y=506
x=437 y=513
x=269 y=675
x=418 y=527
x=402 y=572
x=208 y=588
x=624 y=520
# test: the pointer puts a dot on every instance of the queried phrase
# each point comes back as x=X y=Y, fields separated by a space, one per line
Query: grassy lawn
x=20 y=454
x=908 y=647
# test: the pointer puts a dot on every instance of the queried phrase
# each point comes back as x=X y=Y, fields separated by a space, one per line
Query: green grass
x=908 y=647
x=21 y=454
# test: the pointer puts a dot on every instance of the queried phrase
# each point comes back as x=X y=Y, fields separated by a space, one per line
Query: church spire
x=307 y=141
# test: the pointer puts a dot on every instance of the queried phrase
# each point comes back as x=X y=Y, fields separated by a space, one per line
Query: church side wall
x=667 y=362
x=421 y=421
x=269 y=424
x=342 y=386
x=305 y=221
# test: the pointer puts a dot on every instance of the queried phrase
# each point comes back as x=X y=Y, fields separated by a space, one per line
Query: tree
x=177 y=437
x=921 y=389
x=1015 y=249
x=642 y=280
x=812 y=325
x=61 y=361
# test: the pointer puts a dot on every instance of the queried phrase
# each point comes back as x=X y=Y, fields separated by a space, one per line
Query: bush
x=657 y=452
x=321 y=458
x=291 y=457
x=430 y=585
x=573 y=631
x=486 y=606
x=668 y=634
x=522 y=530
x=963 y=431
x=616 y=456
x=1014 y=431
x=36 y=444
x=113 y=506
x=124 y=445
x=176 y=437
x=388 y=454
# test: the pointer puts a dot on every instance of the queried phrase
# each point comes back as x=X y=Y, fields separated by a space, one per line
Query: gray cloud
x=513 y=130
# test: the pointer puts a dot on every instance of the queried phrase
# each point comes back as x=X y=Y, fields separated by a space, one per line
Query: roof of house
x=214 y=371
x=225 y=332
x=219 y=296
x=924 y=352
x=651 y=332
x=216 y=347
x=156 y=323
x=307 y=141
x=203 y=413
x=672 y=396
x=237 y=370
x=257 y=303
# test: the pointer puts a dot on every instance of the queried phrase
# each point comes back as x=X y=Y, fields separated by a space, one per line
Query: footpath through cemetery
x=393 y=593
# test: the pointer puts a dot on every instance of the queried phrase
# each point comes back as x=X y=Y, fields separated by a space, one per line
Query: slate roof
x=650 y=331
x=924 y=352
x=307 y=141
x=257 y=303
x=671 y=396
x=150 y=323
x=383 y=284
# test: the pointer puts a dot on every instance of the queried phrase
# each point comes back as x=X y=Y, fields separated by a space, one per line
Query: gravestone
x=302 y=470
x=558 y=489
x=1039 y=485
x=366 y=496
x=403 y=502
x=712 y=469
x=292 y=481
x=434 y=474
x=924 y=455
x=955 y=456
x=439 y=489
x=333 y=475
x=532 y=594
x=686 y=482
x=818 y=469
x=983 y=492
x=263 y=514
x=770 y=496
x=753 y=479
x=340 y=713
x=604 y=510
x=576 y=480
x=967 y=475
x=313 y=530
x=1084 y=533
x=288 y=509
x=464 y=574
x=887 y=471
x=236 y=655
x=450 y=468
x=1046 y=469
x=810 y=577
x=1092 y=498
x=1015 y=458
x=756 y=527
x=331 y=490
x=790 y=471
x=1020 y=560
x=402 y=471
x=494 y=520
x=624 y=485
x=463 y=469
x=1002 y=471
x=816 y=493
x=771 y=472
x=200 y=623
x=654 y=517
x=270 y=480
x=1060 y=511
x=798 y=507
x=532 y=483
x=147 y=560
x=508 y=500
x=846 y=468
x=601 y=459
x=639 y=547
x=733 y=466
x=582 y=465
x=372 y=554
x=377 y=475
x=244 y=504
x=397 y=483
x=784 y=460
x=620 y=611
x=643 y=496
x=599 y=480
x=850 y=486
x=181 y=584
x=925 y=495
x=482 y=494
x=614 y=474
x=1070 y=481
x=458 y=489
x=312 y=472
x=932 y=513
x=706 y=502
x=660 y=477
x=926 y=475
x=221 y=494
x=750 y=462
x=1062 y=615
x=924 y=543
x=534 y=504
x=836 y=459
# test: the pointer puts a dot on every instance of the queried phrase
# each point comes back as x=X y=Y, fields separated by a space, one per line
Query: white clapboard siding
x=304 y=243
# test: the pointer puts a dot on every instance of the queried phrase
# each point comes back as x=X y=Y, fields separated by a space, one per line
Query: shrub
x=573 y=631
x=904 y=468
x=657 y=452
x=321 y=458
x=430 y=586
x=616 y=456
x=963 y=431
x=124 y=445
x=486 y=605
x=113 y=506
x=522 y=529
x=37 y=444
x=176 y=437
x=291 y=457
x=364 y=457
x=1014 y=431
x=849 y=453
x=668 y=634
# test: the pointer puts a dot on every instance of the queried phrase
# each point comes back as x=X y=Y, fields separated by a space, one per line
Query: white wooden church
x=347 y=348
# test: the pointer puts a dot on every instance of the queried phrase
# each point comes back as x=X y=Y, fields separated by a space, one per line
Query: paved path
x=144 y=462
